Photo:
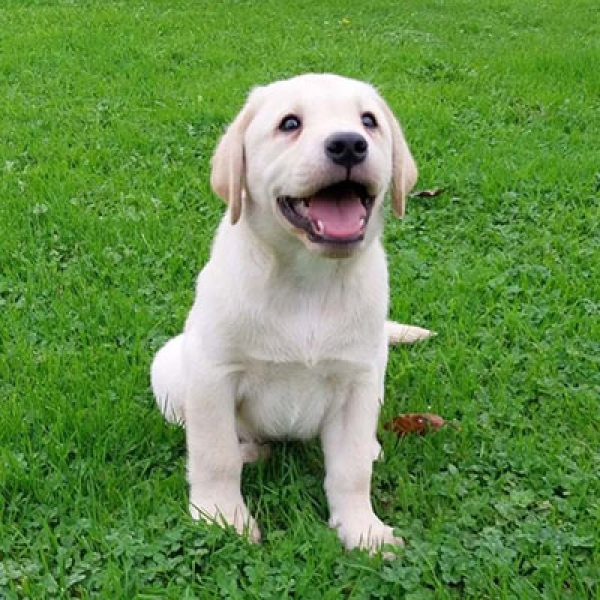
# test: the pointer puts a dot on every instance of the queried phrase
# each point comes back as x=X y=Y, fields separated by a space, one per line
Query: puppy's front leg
x=350 y=446
x=214 y=455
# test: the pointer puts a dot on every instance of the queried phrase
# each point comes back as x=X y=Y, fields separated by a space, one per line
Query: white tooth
x=363 y=221
x=320 y=228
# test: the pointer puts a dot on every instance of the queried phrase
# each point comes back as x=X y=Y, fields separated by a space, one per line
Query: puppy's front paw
x=366 y=532
x=233 y=514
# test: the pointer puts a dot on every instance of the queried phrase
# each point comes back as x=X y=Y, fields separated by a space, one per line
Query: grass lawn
x=109 y=112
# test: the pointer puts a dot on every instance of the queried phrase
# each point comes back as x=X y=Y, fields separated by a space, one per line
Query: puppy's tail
x=168 y=380
x=397 y=333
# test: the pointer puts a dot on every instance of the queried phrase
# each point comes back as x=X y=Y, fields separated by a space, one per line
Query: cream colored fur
x=287 y=340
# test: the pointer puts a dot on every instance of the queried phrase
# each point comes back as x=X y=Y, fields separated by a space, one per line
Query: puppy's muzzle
x=334 y=215
x=346 y=148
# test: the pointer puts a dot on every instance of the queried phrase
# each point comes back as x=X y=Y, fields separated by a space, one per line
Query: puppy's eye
x=368 y=120
x=289 y=123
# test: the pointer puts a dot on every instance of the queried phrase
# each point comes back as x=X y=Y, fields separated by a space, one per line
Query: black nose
x=346 y=149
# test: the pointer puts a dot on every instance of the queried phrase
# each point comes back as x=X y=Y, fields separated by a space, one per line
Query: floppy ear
x=404 y=169
x=228 y=161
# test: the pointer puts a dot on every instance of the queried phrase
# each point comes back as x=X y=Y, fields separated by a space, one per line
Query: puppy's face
x=310 y=159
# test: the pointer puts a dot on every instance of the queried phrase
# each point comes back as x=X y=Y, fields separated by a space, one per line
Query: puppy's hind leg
x=253 y=451
x=250 y=448
x=397 y=333
x=168 y=380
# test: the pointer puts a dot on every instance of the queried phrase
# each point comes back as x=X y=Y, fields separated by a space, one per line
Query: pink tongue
x=340 y=218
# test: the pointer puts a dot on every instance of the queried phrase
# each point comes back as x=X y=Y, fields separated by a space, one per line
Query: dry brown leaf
x=428 y=193
x=418 y=423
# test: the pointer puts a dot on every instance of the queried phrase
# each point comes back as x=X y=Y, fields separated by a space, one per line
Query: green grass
x=109 y=112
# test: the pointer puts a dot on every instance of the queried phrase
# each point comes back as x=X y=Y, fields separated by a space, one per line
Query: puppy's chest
x=289 y=401
x=310 y=336
x=297 y=367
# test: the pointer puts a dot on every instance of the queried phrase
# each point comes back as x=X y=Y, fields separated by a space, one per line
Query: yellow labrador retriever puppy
x=287 y=338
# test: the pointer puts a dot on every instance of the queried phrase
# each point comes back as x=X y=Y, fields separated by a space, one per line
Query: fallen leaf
x=419 y=423
x=428 y=193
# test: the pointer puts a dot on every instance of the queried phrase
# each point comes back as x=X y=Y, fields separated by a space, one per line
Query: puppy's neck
x=289 y=258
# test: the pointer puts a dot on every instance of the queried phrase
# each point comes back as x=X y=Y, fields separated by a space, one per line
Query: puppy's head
x=310 y=159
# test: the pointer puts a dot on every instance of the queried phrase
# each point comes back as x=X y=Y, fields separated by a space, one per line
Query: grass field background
x=109 y=113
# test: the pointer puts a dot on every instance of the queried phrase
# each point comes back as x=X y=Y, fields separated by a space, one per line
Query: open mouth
x=337 y=214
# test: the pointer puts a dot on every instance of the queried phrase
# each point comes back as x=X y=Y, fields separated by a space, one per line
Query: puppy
x=287 y=337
